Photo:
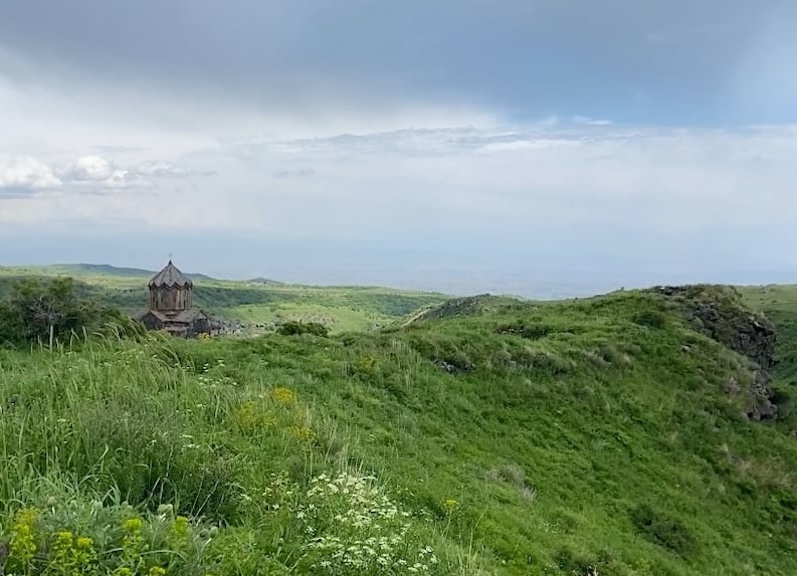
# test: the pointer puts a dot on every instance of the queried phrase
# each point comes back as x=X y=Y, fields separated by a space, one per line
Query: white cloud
x=98 y=174
x=458 y=181
x=169 y=170
x=492 y=180
x=23 y=174
x=495 y=181
x=122 y=178
x=88 y=169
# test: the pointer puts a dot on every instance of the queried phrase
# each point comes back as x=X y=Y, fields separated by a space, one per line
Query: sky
x=533 y=147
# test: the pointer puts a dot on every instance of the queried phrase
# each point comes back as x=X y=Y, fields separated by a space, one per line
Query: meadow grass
x=119 y=444
x=516 y=439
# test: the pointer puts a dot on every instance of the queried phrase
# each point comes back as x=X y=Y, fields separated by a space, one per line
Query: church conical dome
x=170 y=277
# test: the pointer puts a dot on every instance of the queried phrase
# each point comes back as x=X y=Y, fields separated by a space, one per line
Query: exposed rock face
x=763 y=407
x=719 y=313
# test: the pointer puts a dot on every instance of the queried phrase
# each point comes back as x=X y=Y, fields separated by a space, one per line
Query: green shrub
x=651 y=318
x=293 y=328
x=663 y=530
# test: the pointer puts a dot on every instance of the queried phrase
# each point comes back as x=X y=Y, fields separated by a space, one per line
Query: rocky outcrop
x=719 y=313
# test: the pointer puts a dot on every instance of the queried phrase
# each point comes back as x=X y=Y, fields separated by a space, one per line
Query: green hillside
x=779 y=303
x=256 y=303
x=631 y=434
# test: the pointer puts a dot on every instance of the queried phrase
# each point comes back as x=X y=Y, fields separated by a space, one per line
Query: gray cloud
x=116 y=149
x=620 y=57
x=300 y=172
x=17 y=192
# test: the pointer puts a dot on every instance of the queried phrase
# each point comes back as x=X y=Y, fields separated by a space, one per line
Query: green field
x=254 y=303
x=486 y=436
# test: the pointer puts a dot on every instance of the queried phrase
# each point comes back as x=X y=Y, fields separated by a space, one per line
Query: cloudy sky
x=514 y=146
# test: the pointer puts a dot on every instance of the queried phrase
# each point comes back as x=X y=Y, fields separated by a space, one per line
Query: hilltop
x=638 y=433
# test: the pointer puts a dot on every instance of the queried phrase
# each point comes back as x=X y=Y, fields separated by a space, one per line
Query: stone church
x=171 y=307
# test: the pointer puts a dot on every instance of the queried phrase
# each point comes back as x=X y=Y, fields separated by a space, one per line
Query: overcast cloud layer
x=511 y=146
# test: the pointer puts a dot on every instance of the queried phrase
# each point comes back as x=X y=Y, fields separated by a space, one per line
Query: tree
x=43 y=311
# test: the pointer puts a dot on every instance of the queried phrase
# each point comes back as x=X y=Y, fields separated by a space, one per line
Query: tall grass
x=119 y=430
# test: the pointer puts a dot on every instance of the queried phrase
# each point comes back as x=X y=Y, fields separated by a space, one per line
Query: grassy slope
x=341 y=308
x=584 y=439
x=779 y=304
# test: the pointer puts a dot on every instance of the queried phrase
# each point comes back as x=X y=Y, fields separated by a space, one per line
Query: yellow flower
x=302 y=433
x=156 y=571
x=63 y=544
x=132 y=524
x=179 y=531
x=180 y=525
x=23 y=535
x=84 y=542
x=450 y=504
x=26 y=516
x=283 y=395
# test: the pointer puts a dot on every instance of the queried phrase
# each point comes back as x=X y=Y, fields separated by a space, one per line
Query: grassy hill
x=623 y=433
x=779 y=303
x=255 y=302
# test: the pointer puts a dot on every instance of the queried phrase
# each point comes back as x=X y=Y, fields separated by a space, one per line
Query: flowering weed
x=43 y=541
x=348 y=525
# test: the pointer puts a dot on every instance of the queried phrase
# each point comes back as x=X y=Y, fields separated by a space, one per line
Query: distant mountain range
x=108 y=270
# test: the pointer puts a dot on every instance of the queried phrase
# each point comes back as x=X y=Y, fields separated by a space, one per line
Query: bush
x=528 y=331
x=663 y=530
x=46 y=311
x=651 y=319
x=293 y=328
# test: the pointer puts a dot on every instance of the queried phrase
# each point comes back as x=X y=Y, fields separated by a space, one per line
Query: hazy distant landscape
x=255 y=302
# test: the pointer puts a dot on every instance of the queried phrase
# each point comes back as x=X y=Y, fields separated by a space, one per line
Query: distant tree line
x=34 y=311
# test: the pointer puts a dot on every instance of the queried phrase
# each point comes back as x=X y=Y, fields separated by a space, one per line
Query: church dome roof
x=170 y=277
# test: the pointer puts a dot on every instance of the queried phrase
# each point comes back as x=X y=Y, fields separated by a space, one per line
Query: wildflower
x=63 y=548
x=283 y=395
x=179 y=530
x=132 y=524
x=156 y=571
x=450 y=504
x=302 y=433
x=23 y=535
x=246 y=413
x=133 y=541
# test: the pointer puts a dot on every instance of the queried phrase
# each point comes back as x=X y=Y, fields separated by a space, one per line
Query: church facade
x=171 y=305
